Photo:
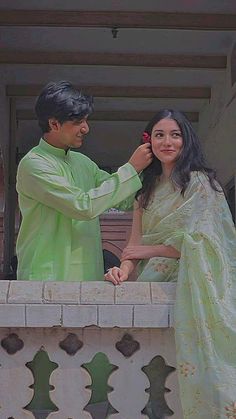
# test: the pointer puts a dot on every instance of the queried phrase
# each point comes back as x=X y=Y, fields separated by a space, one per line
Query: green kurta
x=200 y=226
x=60 y=197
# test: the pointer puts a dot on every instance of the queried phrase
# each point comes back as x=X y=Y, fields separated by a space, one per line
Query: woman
x=183 y=231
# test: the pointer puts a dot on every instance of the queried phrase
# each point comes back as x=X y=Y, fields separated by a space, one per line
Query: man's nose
x=85 y=128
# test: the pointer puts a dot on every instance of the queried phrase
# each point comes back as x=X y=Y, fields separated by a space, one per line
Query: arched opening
x=110 y=260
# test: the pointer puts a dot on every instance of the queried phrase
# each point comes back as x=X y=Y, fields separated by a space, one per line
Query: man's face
x=69 y=133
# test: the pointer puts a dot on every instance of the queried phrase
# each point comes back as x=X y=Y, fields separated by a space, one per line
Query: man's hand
x=142 y=157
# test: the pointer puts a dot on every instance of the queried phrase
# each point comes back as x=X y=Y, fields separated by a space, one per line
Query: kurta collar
x=58 y=152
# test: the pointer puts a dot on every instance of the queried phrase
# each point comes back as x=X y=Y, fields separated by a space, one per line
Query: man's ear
x=54 y=124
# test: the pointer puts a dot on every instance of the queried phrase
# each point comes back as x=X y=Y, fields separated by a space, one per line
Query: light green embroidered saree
x=200 y=226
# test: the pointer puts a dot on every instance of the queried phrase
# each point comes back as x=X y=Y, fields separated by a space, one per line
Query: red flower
x=146 y=137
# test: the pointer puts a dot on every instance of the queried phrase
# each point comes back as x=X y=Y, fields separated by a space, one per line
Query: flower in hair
x=146 y=137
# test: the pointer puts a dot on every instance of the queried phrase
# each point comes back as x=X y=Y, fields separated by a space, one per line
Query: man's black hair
x=62 y=101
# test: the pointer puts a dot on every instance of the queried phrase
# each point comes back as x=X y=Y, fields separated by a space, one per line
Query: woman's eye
x=176 y=135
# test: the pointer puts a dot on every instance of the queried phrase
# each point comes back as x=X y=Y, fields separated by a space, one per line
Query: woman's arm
x=147 y=252
x=118 y=275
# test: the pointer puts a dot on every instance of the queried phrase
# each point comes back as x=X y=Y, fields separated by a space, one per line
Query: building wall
x=1 y=211
x=217 y=128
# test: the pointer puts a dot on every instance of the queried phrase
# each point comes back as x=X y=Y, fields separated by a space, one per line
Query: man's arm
x=38 y=179
x=137 y=161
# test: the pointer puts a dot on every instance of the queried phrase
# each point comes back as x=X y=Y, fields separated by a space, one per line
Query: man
x=62 y=192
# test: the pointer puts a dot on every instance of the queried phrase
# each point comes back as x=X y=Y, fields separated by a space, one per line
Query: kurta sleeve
x=127 y=203
x=40 y=180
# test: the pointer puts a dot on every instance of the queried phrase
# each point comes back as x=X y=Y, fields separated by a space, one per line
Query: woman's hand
x=116 y=275
x=138 y=252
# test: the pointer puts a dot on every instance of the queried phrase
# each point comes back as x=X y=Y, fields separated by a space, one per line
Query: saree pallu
x=200 y=226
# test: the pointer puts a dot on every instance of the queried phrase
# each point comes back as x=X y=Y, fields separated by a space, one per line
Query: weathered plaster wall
x=4 y=116
x=4 y=150
x=217 y=128
x=68 y=325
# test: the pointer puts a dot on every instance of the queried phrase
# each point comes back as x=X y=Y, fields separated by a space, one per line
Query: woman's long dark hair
x=190 y=159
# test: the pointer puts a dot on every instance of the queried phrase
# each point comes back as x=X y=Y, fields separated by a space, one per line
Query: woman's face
x=167 y=142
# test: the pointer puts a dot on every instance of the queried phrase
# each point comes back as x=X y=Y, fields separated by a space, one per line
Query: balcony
x=70 y=325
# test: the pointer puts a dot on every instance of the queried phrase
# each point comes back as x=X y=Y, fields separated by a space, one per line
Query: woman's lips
x=167 y=151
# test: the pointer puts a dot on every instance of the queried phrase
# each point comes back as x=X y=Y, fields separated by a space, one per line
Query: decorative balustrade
x=54 y=337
